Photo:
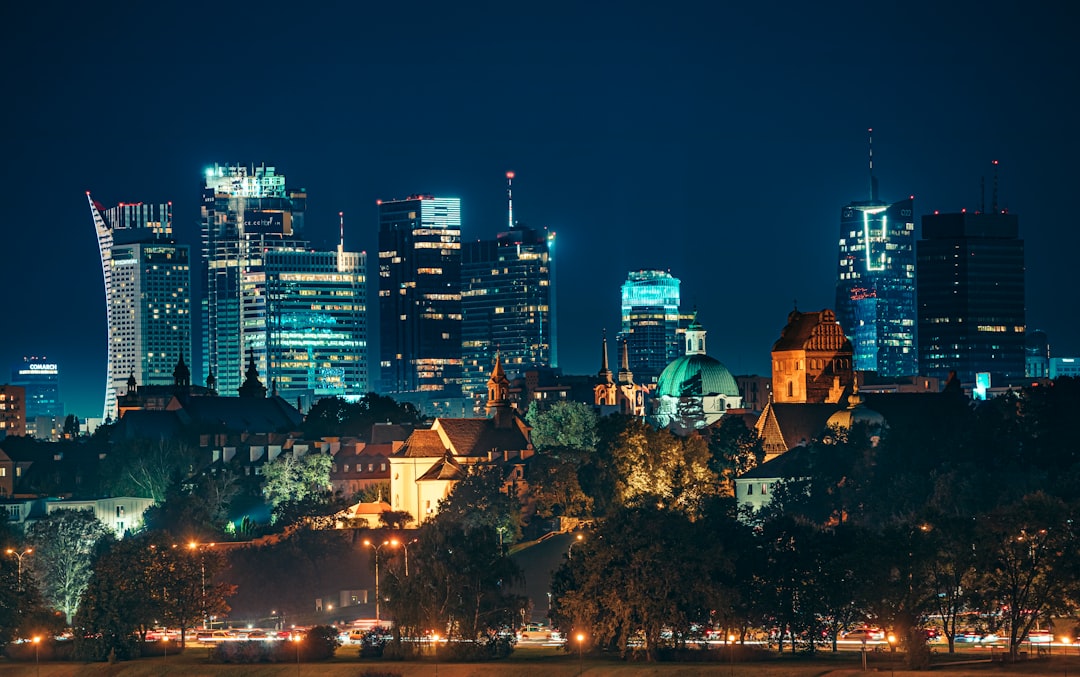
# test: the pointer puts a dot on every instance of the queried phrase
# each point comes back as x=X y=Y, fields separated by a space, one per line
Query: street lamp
x=296 y=641
x=19 y=556
x=577 y=539
x=731 y=652
x=376 y=548
x=165 y=648
x=37 y=655
x=435 y=638
x=580 y=655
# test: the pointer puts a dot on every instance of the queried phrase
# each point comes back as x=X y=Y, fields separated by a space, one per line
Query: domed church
x=695 y=390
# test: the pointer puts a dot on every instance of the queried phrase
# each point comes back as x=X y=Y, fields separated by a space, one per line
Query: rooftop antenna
x=873 y=180
x=995 y=202
x=510 y=198
x=341 y=230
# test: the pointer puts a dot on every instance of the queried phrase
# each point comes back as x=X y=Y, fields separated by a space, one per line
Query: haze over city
x=717 y=143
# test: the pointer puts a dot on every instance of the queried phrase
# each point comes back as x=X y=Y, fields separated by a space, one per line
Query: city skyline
x=715 y=143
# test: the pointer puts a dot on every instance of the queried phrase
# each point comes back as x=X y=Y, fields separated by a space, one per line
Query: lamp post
x=296 y=641
x=892 y=645
x=37 y=656
x=19 y=555
x=376 y=548
x=435 y=638
x=577 y=539
x=731 y=653
x=202 y=575
x=580 y=655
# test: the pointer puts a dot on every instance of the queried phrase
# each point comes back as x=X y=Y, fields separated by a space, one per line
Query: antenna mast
x=873 y=181
x=995 y=202
x=510 y=198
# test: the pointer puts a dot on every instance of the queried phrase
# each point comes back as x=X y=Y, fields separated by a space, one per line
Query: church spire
x=605 y=372
x=252 y=386
x=695 y=337
x=498 y=402
x=626 y=377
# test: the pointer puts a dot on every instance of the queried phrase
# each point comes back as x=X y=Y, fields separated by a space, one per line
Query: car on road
x=865 y=635
x=534 y=631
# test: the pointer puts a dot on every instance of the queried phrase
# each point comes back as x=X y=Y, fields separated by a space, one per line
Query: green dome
x=696 y=376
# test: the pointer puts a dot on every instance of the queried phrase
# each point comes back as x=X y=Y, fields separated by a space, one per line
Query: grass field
x=542 y=662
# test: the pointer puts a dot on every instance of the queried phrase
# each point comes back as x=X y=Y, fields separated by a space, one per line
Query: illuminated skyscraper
x=247 y=212
x=650 y=322
x=420 y=296
x=148 y=295
x=875 y=283
x=316 y=332
x=508 y=302
x=971 y=297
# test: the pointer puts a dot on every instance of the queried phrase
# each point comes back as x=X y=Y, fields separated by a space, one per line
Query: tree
x=1029 y=558
x=480 y=500
x=71 y=426
x=117 y=601
x=460 y=582
x=63 y=546
x=333 y=416
x=657 y=466
x=565 y=424
x=555 y=484
x=734 y=449
x=146 y=468
x=644 y=571
x=291 y=477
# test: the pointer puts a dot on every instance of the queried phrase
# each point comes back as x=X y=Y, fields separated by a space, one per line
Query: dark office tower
x=420 y=297
x=147 y=295
x=650 y=322
x=246 y=213
x=507 y=302
x=971 y=297
x=875 y=283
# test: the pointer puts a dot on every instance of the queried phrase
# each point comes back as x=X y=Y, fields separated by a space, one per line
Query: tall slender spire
x=626 y=377
x=994 y=204
x=873 y=179
x=605 y=372
x=510 y=199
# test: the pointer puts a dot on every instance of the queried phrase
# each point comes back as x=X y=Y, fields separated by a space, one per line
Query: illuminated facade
x=420 y=296
x=247 y=212
x=316 y=333
x=148 y=295
x=971 y=297
x=508 y=304
x=875 y=285
x=40 y=379
x=12 y=411
x=650 y=322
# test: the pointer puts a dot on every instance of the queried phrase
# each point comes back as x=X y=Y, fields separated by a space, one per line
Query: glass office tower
x=148 y=295
x=971 y=297
x=420 y=296
x=507 y=301
x=316 y=333
x=650 y=322
x=247 y=212
x=875 y=285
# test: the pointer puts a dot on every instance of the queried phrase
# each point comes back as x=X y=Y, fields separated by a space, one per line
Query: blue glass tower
x=650 y=322
x=875 y=283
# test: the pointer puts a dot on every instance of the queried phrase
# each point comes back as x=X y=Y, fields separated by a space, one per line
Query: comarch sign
x=38 y=368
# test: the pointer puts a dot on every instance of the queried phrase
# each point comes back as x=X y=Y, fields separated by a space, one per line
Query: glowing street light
x=580 y=655
x=296 y=641
x=731 y=652
x=37 y=655
x=577 y=539
x=19 y=555
x=435 y=638
x=376 y=548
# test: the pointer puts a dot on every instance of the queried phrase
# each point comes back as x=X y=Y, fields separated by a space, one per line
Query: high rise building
x=650 y=322
x=247 y=212
x=147 y=294
x=507 y=303
x=971 y=297
x=875 y=283
x=40 y=378
x=420 y=296
x=316 y=333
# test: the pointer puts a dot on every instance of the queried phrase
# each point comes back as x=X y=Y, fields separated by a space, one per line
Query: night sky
x=716 y=140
